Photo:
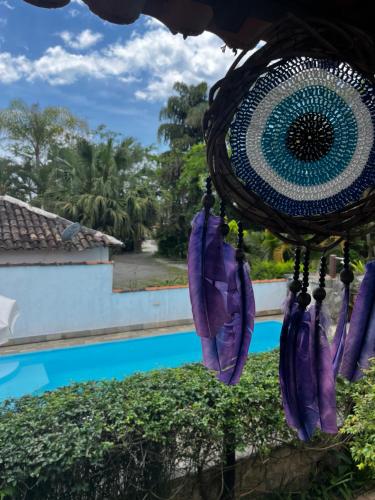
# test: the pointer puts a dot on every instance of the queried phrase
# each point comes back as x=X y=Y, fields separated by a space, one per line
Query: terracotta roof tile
x=23 y=227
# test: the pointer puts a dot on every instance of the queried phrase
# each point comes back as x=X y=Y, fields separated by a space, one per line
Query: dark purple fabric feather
x=207 y=275
x=360 y=342
x=228 y=351
x=339 y=339
x=322 y=370
x=306 y=375
x=295 y=373
x=225 y=320
x=285 y=369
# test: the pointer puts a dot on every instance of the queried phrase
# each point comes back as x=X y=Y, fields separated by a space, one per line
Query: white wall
x=58 y=299
x=49 y=256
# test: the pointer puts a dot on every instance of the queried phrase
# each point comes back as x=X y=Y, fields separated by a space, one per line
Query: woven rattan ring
x=290 y=133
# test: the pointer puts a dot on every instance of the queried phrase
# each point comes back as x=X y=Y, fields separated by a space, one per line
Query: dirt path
x=138 y=270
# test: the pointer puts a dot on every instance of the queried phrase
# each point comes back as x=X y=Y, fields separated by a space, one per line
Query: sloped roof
x=24 y=227
x=237 y=22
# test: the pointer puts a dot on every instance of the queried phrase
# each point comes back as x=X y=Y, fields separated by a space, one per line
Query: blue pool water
x=36 y=372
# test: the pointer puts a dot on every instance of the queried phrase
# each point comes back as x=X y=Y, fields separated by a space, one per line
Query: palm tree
x=99 y=186
x=32 y=131
x=30 y=134
x=183 y=115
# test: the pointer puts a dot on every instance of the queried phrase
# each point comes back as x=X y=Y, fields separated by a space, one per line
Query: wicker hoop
x=287 y=39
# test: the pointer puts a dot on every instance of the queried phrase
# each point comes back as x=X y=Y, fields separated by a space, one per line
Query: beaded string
x=304 y=298
x=240 y=257
x=295 y=285
x=208 y=199
x=224 y=225
x=346 y=275
x=319 y=293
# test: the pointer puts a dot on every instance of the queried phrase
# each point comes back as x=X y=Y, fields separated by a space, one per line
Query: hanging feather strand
x=294 y=369
x=306 y=374
x=286 y=369
x=221 y=295
x=227 y=352
x=339 y=339
x=206 y=269
x=360 y=343
x=324 y=389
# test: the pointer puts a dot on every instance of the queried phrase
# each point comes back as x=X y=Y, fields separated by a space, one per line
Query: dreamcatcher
x=290 y=140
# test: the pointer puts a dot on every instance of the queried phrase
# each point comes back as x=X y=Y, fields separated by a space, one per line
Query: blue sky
x=107 y=74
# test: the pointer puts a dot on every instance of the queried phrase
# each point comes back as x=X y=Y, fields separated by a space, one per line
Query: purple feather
x=322 y=369
x=207 y=275
x=360 y=342
x=227 y=352
x=225 y=325
x=296 y=378
x=306 y=375
x=285 y=369
x=339 y=339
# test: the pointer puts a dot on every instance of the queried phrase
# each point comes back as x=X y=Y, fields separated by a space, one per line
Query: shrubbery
x=269 y=269
x=361 y=424
x=124 y=439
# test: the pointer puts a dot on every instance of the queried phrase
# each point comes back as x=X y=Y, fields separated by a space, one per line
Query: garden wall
x=61 y=299
x=285 y=468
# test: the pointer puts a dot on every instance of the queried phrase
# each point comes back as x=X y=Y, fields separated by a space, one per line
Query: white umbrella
x=8 y=316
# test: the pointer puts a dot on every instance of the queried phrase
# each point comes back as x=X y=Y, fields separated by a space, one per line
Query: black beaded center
x=310 y=137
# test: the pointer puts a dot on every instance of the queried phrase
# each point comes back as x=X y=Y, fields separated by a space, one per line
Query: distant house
x=30 y=235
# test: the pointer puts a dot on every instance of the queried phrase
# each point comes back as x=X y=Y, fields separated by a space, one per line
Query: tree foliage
x=182 y=180
x=32 y=131
x=104 y=186
x=182 y=116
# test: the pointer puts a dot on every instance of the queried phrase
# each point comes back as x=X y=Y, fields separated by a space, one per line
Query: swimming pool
x=36 y=372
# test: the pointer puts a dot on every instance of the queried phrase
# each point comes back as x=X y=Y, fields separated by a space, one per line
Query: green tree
x=182 y=188
x=182 y=116
x=30 y=133
x=182 y=169
x=102 y=186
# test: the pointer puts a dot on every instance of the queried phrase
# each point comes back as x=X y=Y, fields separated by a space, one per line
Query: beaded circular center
x=310 y=137
x=303 y=137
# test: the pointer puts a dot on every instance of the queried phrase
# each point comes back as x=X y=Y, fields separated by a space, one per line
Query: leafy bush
x=125 y=439
x=361 y=424
x=269 y=269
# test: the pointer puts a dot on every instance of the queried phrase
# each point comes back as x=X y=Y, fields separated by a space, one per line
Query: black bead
x=304 y=299
x=319 y=294
x=346 y=276
x=295 y=286
x=208 y=200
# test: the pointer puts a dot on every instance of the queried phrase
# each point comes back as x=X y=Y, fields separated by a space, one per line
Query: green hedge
x=269 y=269
x=361 y=424
x=124 y=439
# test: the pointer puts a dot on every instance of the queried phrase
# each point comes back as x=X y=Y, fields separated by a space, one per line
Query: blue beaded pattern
x=346 y=167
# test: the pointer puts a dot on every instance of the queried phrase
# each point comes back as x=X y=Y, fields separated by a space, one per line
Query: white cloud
x=155 y=59
x=83 y=40
x=13 y=68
